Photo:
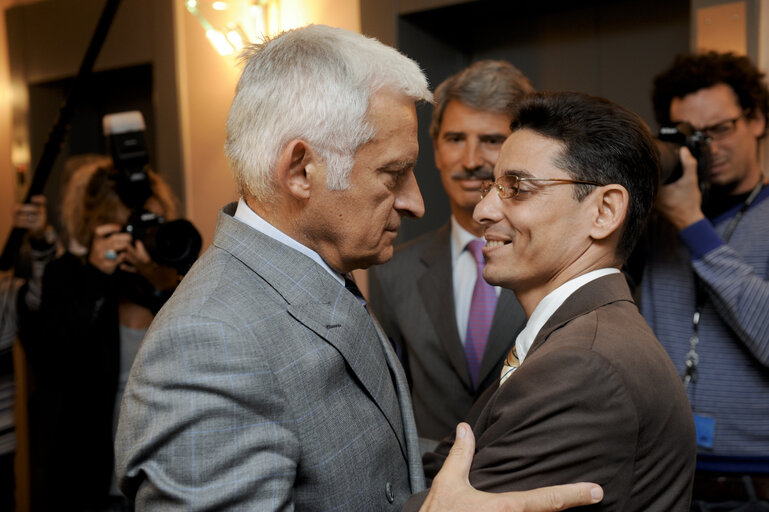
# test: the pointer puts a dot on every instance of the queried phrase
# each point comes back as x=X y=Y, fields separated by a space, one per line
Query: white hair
x=313 y=83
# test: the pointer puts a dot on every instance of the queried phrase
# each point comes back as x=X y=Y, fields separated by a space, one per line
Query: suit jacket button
x=389 y=492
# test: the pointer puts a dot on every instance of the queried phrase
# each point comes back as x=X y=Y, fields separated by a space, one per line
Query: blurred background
x=176 y=62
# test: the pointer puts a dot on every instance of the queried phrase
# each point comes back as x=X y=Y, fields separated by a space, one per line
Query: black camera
x=670 y=140
x=174 y=243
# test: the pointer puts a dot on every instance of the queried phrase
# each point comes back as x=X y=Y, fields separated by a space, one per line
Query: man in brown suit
x=595 y=395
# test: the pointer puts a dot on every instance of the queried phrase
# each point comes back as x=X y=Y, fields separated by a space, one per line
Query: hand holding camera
x=681 y=201
x=173 y=243
x=139 y=261
x=109 y=246
x=114 y=249
x=685 y=160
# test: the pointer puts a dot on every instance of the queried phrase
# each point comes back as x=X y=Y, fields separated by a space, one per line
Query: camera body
x=670 y=140
x=174 y=244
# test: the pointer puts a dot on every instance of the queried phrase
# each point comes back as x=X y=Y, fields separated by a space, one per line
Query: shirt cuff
x=701 y=238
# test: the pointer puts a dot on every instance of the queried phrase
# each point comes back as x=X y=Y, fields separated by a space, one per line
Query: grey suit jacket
x=596 y=399
x=413 y=297
x=263 y=384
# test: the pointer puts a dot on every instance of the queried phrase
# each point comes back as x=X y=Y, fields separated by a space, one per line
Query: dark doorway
x=106 y=92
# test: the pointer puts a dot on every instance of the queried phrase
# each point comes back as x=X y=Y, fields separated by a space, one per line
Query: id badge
x=705 y=427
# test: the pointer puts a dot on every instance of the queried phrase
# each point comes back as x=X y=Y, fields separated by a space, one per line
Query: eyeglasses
x=721 y=130
x=509 y=185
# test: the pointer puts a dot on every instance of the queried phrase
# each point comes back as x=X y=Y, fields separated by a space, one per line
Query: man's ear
x=611 y=206
x=295 y=169
x=757 y=124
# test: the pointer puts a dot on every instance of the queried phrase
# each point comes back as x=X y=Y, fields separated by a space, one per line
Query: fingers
x=688 y=162
x=31 y=216
x=451 y=489
x=550 y=499
x=137 y=254
x=38 y=200
x=108 y=248
x=106 y=230
x=460 y=458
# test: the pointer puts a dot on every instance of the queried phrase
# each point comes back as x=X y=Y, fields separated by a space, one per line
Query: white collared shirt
x=247 y=216
x=463 y=275
x=549 y=305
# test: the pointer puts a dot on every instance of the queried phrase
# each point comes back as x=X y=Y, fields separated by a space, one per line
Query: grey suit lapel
x=437 y=292
x=321 y=303
x=414 y=455
x=346 y=325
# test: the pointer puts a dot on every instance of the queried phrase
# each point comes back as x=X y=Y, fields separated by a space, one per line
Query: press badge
x=705 y=427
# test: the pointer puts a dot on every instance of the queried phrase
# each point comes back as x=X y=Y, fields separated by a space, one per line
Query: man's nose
x=471 y=156
x=408 y=201
x=486 y=211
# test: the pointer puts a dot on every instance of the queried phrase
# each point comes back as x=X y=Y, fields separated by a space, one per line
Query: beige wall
x=193 y=89
x=206 y=86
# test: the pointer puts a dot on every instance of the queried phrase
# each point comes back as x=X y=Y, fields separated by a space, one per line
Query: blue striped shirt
x=733 y=349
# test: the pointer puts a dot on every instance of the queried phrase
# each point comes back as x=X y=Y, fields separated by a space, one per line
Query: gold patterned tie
x=511 y=363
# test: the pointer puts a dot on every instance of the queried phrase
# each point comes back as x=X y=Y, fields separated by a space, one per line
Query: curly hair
x=691 y=73
x=91 y=199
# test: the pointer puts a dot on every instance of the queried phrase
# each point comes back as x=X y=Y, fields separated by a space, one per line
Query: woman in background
x=98 y=299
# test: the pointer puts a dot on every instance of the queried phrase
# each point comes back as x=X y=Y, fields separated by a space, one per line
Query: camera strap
x=701 y=294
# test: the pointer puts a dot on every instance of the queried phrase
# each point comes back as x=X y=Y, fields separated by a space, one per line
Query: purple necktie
x=482 y=308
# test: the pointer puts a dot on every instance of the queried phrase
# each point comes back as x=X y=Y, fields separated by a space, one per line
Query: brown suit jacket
x=413 y=297
x=596 y=399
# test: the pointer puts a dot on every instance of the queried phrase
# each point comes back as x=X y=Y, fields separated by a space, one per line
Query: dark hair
x=602 y=142
x=691 y=73
x=488 y=85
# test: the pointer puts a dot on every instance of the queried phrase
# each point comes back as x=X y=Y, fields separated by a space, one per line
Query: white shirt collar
x=549 y=305
x=460 y=237
x=246 y=215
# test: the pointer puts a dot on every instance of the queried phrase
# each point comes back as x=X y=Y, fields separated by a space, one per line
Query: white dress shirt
x=463 y=275
x=549 y=304
x=247 y=216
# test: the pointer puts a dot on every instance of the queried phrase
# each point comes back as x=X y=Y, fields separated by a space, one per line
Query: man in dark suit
x=424 y=295
x=595 y=392
x=264 y=383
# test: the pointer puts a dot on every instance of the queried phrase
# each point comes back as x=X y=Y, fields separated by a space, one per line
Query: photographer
x=98 y=299
x=705 y=292
x=19 y=285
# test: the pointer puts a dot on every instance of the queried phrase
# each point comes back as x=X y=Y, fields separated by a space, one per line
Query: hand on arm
x=451 y=489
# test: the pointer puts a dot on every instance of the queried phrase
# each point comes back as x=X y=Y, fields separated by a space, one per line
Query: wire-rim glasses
x=509 y=185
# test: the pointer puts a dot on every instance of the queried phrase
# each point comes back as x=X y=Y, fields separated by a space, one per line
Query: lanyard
x=692 y=358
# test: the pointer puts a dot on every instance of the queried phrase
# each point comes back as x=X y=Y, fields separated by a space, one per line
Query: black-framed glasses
x=723 y=129
x=509 y=185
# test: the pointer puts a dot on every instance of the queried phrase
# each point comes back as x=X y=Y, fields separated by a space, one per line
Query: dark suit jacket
x=263 y=384
x=413 y=297
x=596 y=399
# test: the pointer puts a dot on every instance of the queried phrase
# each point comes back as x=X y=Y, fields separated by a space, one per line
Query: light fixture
x=220 y=42
x=237 y=36
x=236 y=23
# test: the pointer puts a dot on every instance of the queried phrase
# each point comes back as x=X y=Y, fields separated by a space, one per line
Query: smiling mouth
x=492 y=244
